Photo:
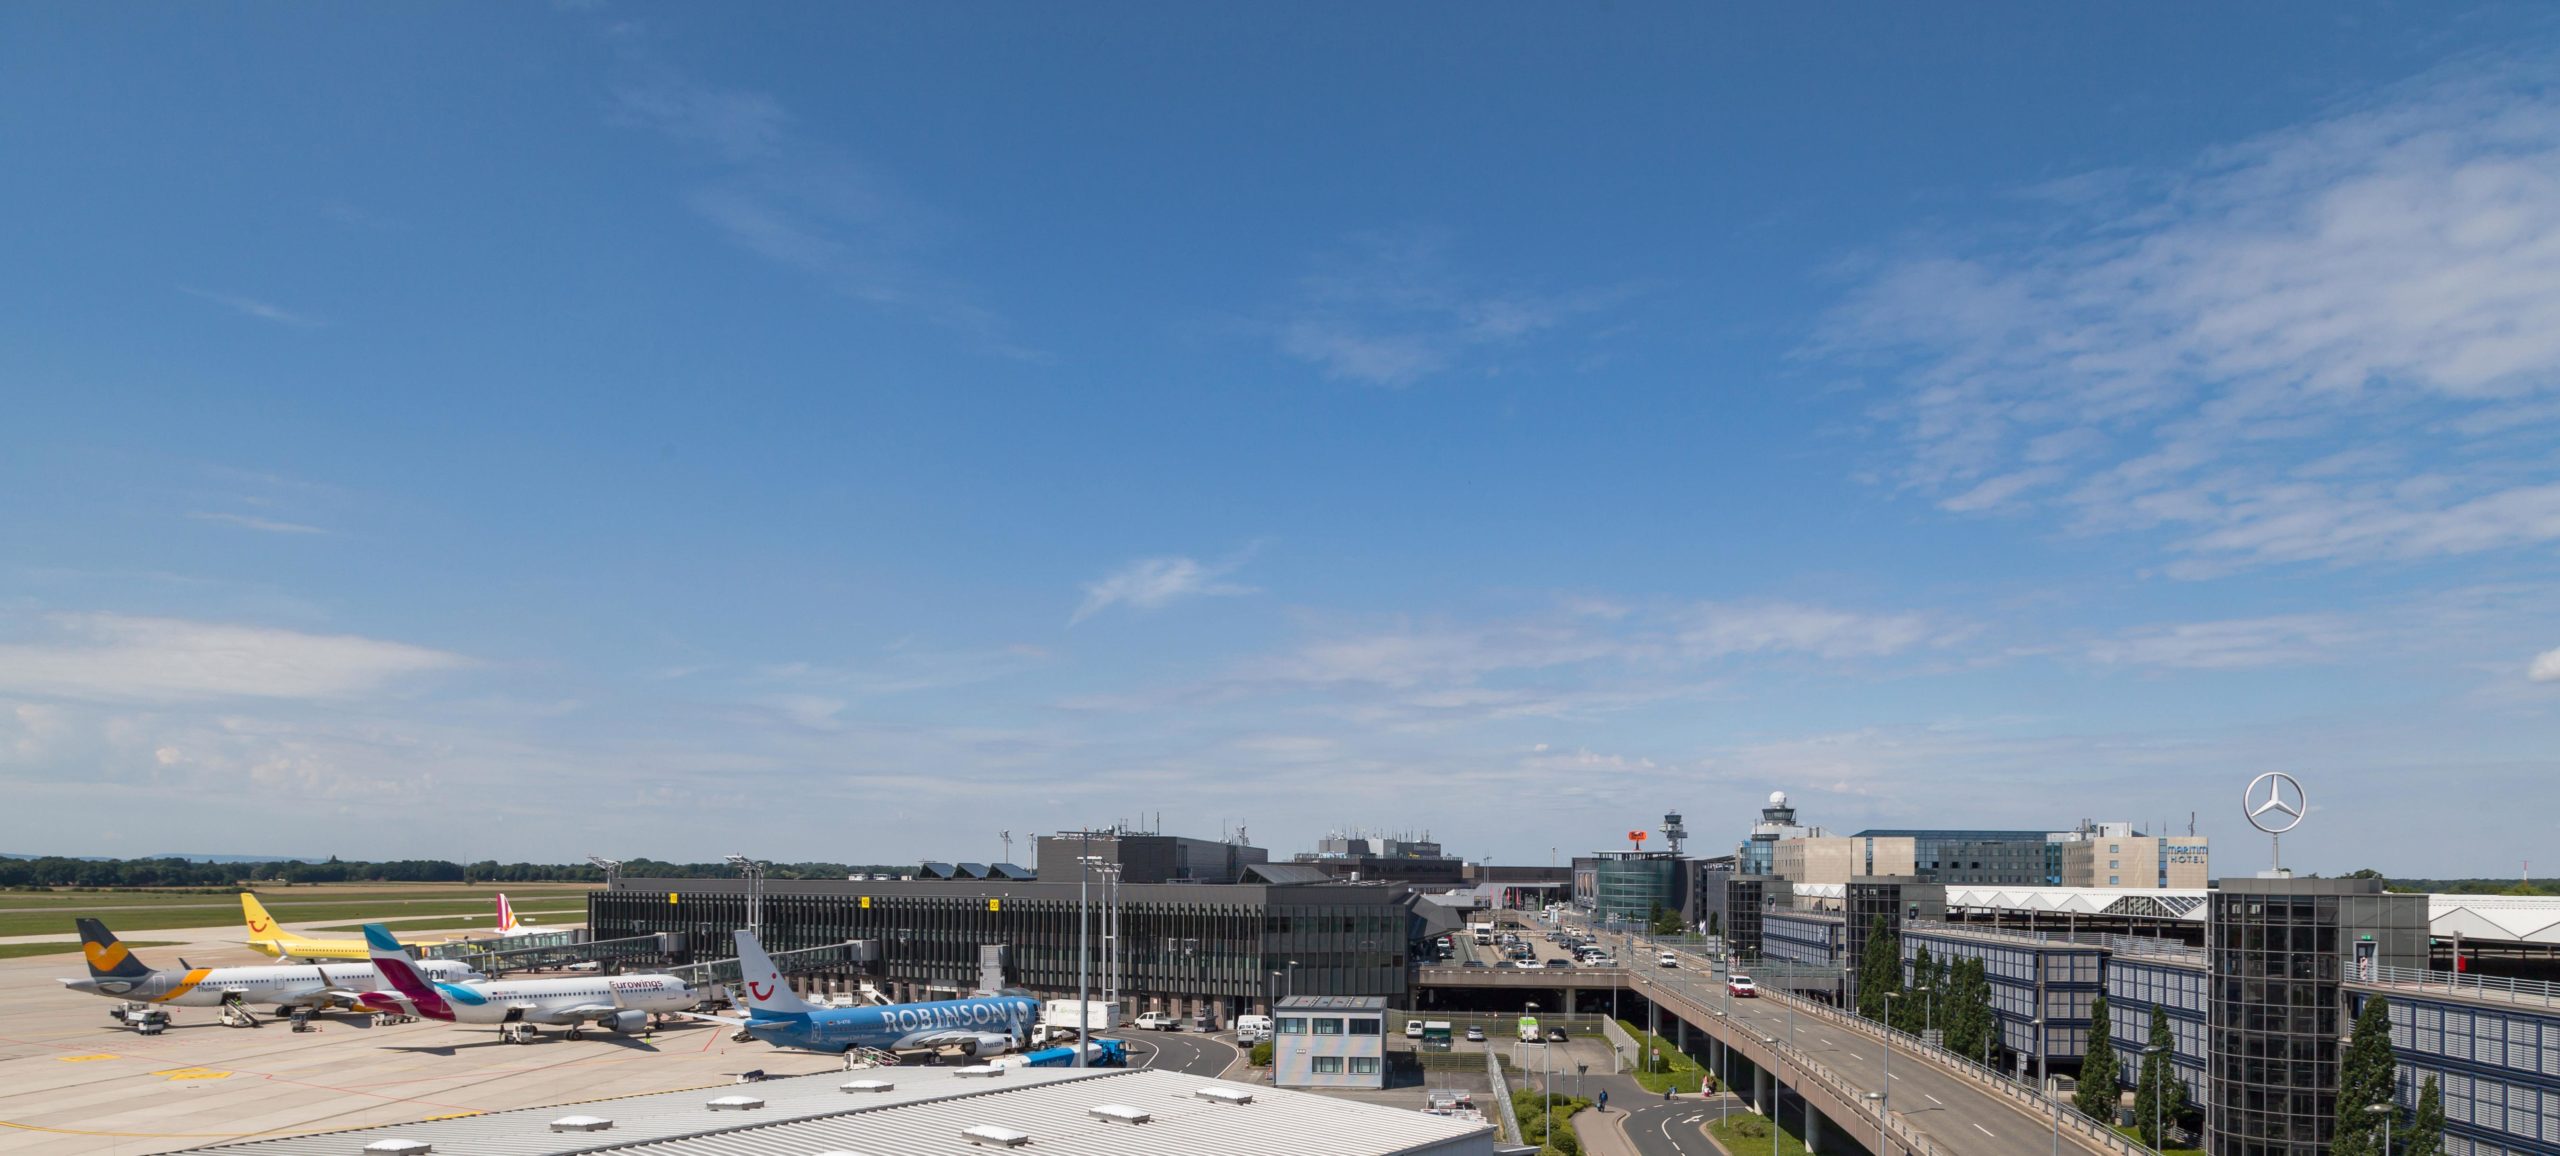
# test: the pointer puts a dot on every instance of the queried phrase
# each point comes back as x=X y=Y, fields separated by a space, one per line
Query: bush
x=1260 y=1056
x=1530 y=1105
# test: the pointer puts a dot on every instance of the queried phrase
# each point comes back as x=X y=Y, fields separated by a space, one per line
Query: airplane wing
x=735 y=1023
x=976 y=1043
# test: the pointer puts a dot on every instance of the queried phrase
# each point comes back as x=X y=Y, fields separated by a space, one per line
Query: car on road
x=1413 y=1029
x=1159 y=1022
x=1475 y=1034
x=1741 y=987
x=1475 y=963
x=1558 y=963
x=1667 y=959
x=1555 y=1035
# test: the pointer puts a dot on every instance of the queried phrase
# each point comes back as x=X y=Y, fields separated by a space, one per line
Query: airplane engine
x=626 y=1022
x=985 y=1044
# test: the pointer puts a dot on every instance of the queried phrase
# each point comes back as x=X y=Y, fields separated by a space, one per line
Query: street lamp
x=1084 y=950
x=1885 y=1097
x=754 y=873
x=1928 y=1011
x=2385 y=1109
x=2043 y=1091
x=1878 y=1097
x=1551 y=1077
x=2159 y=1139
x=612 y=869
x=1778 y=1092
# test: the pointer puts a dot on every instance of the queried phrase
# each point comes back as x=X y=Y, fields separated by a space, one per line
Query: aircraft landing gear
x=575 y=1034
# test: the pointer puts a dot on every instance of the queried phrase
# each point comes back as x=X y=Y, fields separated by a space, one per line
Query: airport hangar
x=1205 y=928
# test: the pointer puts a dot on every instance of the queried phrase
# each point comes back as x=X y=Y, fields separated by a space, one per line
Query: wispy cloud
x=2285 y=640
x=2171 y=355
x=119 y=657
x=252 y=307
x=1391 y=310
x=803 y=203
x=2546 y=666
x=250 y=522
x=1150 y=583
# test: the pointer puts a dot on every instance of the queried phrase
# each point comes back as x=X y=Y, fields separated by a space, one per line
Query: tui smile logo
x=259 y=925
x=759 y=990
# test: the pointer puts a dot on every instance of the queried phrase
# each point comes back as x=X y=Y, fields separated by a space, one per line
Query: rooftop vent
x=398 y=1148
x=978 y=1070
x=1000 y=1137
x=867 y=1086
x=735 y=1104
x=581 y=1124
x=1225 y=1095
x=1122 y=1114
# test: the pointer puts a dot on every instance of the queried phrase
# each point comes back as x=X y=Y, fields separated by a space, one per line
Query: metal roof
x=2185 y=904
x=1375 y=1003
x=2515 y=918
x=527 y=1131
x=1285 y=873
x=1059 y=1118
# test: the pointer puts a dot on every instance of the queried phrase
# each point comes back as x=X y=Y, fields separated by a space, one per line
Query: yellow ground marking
x=194 y=1074
x=449 y=1116
x=86 y=1058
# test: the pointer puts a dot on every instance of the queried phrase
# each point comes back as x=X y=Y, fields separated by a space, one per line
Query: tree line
x=57 y=871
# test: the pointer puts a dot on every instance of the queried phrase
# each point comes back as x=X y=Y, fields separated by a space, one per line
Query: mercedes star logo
x=2274 y=802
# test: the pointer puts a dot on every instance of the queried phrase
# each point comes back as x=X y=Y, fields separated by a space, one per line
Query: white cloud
x=2229 y=645
x=252 y=307
x=250 y=522
x=1149 y=583
x=1715 y=629
x=116 y=657
x=2546 y=666
x=1390 y=311
x=2197 y=362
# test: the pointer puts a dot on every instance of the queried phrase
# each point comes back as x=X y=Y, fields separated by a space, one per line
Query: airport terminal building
x=1232 y=937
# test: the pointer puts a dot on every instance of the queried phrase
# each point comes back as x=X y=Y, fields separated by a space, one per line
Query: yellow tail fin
x=263 y=926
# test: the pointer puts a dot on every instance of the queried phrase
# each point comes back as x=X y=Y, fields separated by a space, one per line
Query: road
x=1672 y=1129
x=1190 y=1053
x=1954 y=1113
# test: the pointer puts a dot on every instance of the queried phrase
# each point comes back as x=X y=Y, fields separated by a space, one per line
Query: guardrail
x=2460 y=982
x=1502 y=1096
x=2071 y=1121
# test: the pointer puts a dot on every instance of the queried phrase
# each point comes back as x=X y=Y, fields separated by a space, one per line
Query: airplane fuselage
x=971 y=1023
x=546 y=1001
x=294 y=985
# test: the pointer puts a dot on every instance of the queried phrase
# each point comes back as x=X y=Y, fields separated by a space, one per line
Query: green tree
x=2096 y=1094
x=2366 y=1076
x=1715 y=924
x=1665 y=922
x=1879 y=971
x=1964 y=1012
x=2158 y=1094
x=2425 y=1136
x=1908 y=1014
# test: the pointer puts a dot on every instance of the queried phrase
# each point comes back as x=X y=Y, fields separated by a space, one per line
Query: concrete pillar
x=1812 y=1131
x=1764 y=1092
x=1680 y=1034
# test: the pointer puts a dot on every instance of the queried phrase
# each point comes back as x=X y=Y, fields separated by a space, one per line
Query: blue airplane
x=978 y=1026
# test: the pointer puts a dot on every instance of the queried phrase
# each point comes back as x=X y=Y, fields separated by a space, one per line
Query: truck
x=1483 y=933
x=1058 y=1019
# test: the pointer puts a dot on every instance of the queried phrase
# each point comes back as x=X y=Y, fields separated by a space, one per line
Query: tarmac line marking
x=1935 y=1100
x=193 y=1074
x=1983 y=1130
x=86 y=1059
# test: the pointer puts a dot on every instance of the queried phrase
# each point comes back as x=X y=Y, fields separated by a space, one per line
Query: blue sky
x=854 y=433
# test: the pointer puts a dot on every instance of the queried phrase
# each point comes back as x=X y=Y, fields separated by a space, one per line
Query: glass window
x=1328 y=1065
x=1293 y=1025
x=1327 y=1025
x=1364 y=1027
x=1364 y=1065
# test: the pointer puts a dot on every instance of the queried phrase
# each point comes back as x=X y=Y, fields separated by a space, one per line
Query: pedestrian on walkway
x=1604 y=1099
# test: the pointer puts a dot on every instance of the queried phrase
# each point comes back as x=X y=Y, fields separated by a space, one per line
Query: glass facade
x=1933 y=852
x=1746 y=904
x=1631 y=887
x=1178 y=940
x=2136 y=985
x=2030 y=979
x=2276 y=1007
x=2497 y=1068
x=1801 y=937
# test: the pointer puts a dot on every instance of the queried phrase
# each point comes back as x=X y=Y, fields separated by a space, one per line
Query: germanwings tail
x=400 y=975
x=507 y=923
x=765 y=990
x=108 y=959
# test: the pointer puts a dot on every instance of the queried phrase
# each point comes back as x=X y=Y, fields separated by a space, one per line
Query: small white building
x=1330 y=1041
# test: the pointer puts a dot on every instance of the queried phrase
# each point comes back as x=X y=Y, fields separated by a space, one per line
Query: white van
x=1252 y=1029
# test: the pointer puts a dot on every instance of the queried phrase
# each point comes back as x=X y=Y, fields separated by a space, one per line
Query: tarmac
x=73 y=1081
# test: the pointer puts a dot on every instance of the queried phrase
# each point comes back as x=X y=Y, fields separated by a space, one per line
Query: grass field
x=53 y=910
x=1743 y=1134
x=67 y=947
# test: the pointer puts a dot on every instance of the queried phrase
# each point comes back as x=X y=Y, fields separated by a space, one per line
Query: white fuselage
x=564 y=1001
x=310 y=985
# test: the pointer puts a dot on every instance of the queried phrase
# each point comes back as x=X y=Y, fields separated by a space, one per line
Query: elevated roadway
x=1834 y=1064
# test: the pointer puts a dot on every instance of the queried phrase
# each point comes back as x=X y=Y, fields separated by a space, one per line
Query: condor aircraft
x=979 y=1026
x=116 y=974
x=619 y=1003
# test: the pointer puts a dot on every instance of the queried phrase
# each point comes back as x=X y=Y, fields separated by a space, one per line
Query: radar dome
x=1777 y=798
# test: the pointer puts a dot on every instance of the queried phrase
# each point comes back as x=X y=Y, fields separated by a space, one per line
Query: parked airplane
x=269 y=937
x=620 y=1003
x=116 y=974
x=980 y=1025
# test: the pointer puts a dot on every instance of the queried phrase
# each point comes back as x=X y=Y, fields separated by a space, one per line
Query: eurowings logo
x=105 y=956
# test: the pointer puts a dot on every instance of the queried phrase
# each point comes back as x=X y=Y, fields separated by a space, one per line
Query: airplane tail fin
x=400 y=973
x=262 y=926
x=506 y=915
x=108 y=959
x=765 y=990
